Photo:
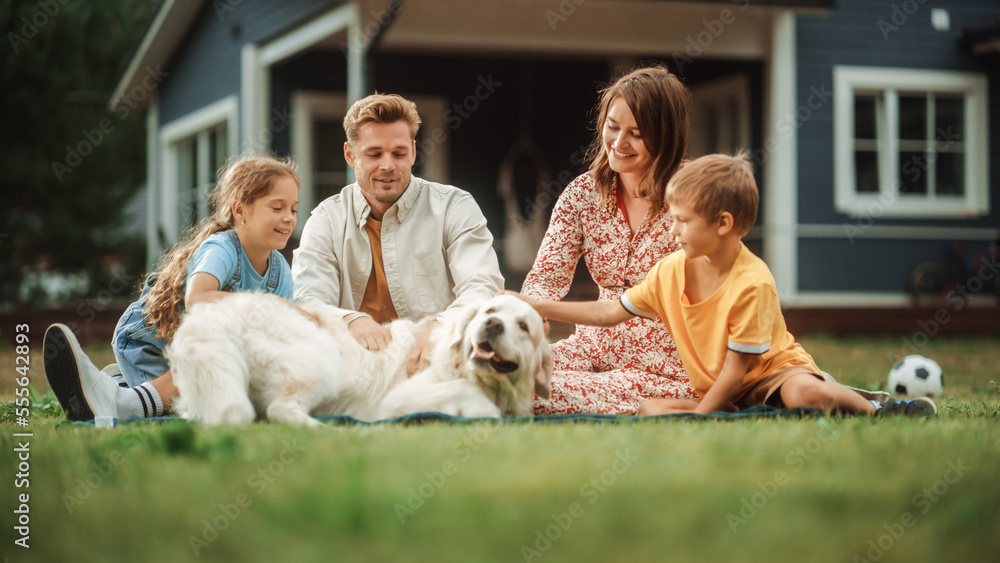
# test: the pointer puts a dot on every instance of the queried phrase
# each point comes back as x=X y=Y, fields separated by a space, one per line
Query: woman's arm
x=555 y=264
x=593 y=313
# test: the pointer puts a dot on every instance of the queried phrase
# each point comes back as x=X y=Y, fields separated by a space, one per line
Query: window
x=720 y=116
x=910 y=143
x=194 y=147
x=199 y=158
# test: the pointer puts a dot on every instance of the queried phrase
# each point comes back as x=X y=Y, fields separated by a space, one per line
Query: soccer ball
x=916 y=375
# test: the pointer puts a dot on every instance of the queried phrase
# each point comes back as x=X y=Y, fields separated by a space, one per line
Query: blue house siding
x=850 y=34
x=206 y=68
x=868 y=264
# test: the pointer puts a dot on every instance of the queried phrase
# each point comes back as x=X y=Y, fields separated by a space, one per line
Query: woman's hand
x=524 y=298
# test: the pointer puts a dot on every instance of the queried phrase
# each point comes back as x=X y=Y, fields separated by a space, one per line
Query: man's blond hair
x=380 y=108
x=717 y=183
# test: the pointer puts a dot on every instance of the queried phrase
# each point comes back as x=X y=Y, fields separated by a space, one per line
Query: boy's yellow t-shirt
x=743 y=315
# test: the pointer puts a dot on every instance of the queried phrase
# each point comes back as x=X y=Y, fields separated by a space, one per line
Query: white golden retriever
x=249 y=355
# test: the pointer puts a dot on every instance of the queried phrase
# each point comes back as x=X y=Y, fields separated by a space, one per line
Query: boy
x=720 y=303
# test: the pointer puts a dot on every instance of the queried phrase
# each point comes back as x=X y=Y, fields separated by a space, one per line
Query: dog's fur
x=248 y=355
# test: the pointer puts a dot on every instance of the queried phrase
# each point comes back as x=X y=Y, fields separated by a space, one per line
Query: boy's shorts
x=763 y=393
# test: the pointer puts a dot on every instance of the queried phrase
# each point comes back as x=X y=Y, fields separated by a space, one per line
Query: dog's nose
x=493 y=326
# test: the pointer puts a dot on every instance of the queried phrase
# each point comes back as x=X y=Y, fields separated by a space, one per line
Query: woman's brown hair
x=660 y=104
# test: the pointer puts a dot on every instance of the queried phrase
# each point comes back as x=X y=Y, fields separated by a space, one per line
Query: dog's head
x=502 y=341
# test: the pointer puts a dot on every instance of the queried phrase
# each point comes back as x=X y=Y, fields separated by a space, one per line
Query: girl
x=614 y=217
x=234 y=249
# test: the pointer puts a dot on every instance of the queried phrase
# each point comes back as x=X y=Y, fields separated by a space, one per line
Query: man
x=393 y=245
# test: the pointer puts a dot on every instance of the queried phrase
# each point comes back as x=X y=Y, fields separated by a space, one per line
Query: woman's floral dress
x=605 y=370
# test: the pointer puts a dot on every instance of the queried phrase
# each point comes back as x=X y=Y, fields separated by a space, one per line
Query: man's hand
x=370 y=334
x=419 y=357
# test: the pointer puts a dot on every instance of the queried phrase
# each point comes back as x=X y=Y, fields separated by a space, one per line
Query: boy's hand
x=727 y=407
x=593 y=313
x=720 y=396
x=652 y=407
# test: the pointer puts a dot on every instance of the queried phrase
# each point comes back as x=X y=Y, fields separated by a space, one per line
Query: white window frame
x=307 y=106
x=196 y=124
x=888 y=202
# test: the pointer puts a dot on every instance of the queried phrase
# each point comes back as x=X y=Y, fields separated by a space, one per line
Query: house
x=869 y=121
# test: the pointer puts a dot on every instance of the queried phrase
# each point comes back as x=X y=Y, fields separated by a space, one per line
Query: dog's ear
x=543 y=371
x=453 y=330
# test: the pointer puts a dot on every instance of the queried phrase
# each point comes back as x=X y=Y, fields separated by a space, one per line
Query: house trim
x=853 y=231
x=256 y=62
x=889 y=202
x=780 y=174
x=305 y=36
x=153 y=187
x=203 y=118
x=158 y=44
x=887 y=299
x=307 y=105
x=225 y=111
x=255 y=86
x=872 y=299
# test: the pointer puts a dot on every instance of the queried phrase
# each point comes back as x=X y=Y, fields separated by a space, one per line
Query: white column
x=356 y=64
x=357 y=68
x=254 y=101
x=781 y=170
x=153 y=187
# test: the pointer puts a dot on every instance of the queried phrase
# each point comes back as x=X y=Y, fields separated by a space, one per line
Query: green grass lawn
x=811 y=489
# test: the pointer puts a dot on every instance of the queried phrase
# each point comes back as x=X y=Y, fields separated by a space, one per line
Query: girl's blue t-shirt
x=139 y=352
x=219 y=257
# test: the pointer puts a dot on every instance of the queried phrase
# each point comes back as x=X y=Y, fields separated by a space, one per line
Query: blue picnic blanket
x=762 y=411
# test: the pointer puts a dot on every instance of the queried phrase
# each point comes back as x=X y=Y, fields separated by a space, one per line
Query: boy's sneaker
x=913 y=407
x=84 y=392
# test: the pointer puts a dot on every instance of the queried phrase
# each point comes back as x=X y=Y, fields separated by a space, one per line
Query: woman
x=615 y=217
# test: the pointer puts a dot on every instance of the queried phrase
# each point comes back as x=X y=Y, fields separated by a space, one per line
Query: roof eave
x=161 y=39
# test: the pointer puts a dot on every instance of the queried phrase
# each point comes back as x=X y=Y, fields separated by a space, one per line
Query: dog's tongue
x=484 y=352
